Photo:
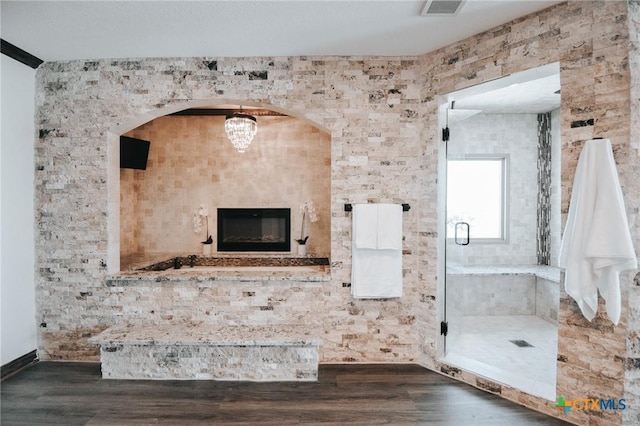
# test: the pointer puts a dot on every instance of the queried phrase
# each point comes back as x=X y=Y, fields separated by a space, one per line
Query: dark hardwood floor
x=55 y=393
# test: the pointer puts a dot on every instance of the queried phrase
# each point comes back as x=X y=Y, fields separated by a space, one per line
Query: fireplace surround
x=255 y=229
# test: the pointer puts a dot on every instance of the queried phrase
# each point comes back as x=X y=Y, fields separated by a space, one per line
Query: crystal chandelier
x=240 y=129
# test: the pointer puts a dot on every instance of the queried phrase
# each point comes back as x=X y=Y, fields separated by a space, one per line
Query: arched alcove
x=191 y=163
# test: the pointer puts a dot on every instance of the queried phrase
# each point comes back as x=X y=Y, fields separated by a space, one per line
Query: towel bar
x=349 y=207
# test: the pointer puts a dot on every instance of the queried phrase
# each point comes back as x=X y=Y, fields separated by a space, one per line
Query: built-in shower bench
x=550 y=273
x=202 y=352
x=478 y=290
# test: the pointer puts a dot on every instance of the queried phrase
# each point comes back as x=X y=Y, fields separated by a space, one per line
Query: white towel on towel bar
x=596 y=245
x=376 y=272
x=365 y=226
x=389 y=226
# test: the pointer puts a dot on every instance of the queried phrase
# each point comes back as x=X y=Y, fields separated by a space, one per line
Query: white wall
x=17 y=292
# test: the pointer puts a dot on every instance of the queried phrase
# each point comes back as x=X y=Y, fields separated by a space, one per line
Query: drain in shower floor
x=521 y=343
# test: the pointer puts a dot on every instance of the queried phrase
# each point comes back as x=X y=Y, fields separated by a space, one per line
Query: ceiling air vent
x=441 y=7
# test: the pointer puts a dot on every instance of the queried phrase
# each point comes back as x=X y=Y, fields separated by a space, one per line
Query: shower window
x=477 y=196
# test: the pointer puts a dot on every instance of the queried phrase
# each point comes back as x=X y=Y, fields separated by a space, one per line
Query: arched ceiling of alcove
x=205 y=107
x=224 y=110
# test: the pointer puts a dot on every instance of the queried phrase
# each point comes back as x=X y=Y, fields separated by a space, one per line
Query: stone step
x=199 y=352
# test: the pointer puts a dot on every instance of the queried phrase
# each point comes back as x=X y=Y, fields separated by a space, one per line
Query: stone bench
x=199 y=352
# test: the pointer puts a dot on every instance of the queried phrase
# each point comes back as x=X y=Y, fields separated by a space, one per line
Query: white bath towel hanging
x=596 y=244
x=389 y=227
x=365 y=226
x=376 y=272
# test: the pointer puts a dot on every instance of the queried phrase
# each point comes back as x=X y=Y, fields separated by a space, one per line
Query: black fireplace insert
x=254 y=230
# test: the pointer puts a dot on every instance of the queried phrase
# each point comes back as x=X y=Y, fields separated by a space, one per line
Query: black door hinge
x=444 y=328
x=445 y=134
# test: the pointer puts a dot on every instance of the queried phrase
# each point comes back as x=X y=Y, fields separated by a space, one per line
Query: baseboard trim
x=11 y=368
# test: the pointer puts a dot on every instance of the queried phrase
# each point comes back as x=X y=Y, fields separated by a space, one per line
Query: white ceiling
x=535 y=96
x=91 y=29
x=532 y=91
x=66 y=30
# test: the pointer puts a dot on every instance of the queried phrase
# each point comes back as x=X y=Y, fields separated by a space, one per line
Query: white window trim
x=506 y=220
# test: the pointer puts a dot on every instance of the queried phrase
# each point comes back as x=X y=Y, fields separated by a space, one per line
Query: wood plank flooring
x=56 y=393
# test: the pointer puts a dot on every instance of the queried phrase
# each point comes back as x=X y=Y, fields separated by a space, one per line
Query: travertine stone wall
x=590 y=40
x=381 y=114
x=369 y=107
x=130 y=238
x=191 y=162
x=632 y=361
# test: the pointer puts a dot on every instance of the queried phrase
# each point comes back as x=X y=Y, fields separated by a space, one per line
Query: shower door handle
x=464 y=240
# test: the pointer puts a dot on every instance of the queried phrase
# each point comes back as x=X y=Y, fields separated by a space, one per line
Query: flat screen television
x=133 y=153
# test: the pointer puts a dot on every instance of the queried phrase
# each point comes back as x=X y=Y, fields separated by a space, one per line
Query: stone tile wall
x=491 y=294
x=590 y=39
x=382 y=116
x=191 y=162
x=129 y=229
x=632 y=362
x=369 y=107
x=547 y=299
x=508 y=293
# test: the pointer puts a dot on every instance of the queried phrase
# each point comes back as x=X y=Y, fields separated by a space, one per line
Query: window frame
x=505 y=218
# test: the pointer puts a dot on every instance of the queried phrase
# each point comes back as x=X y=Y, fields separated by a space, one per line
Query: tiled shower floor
x=482 y=344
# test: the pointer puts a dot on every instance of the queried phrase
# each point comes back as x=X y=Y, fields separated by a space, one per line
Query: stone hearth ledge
x=135 y=268
x=319 y=274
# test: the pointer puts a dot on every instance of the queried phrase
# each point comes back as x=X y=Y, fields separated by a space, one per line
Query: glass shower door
x=475 y=214
x=457 y=233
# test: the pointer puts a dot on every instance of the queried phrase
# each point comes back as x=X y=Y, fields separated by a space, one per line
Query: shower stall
x=500 y=228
